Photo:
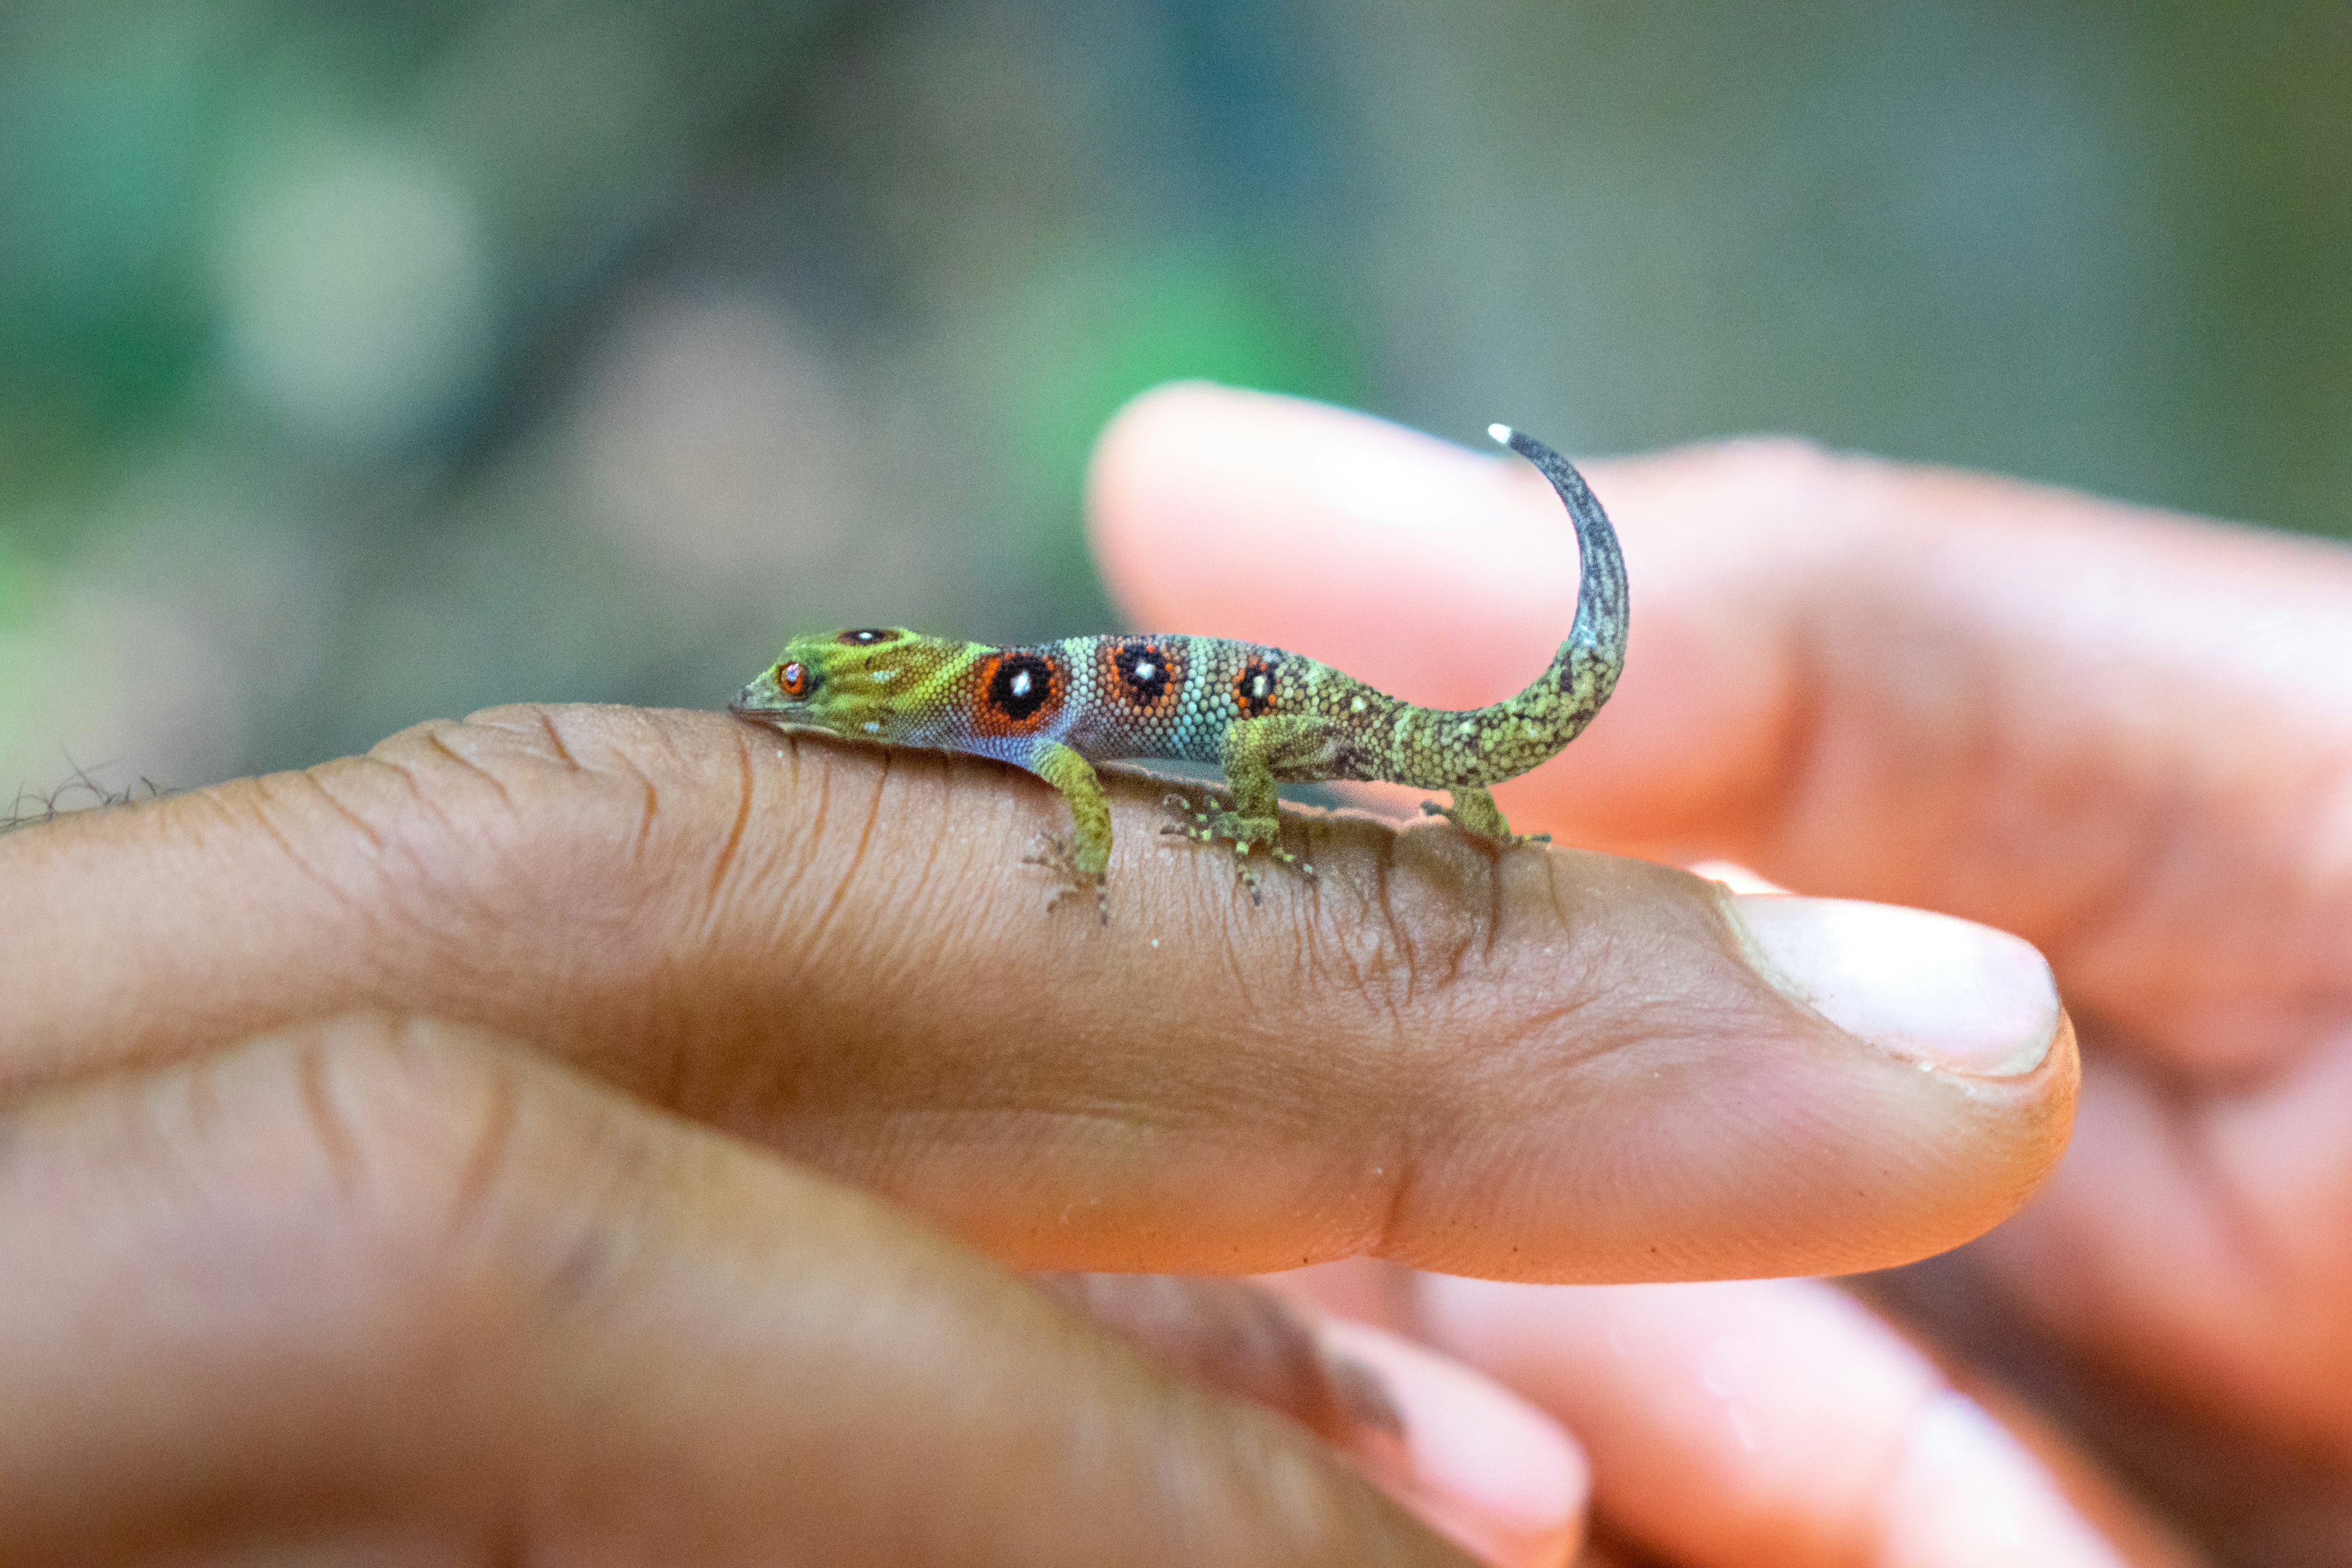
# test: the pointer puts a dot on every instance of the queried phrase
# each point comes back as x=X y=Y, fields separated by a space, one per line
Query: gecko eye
x=793 y=679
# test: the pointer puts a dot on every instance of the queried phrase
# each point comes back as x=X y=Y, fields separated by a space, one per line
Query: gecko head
x=841 y=682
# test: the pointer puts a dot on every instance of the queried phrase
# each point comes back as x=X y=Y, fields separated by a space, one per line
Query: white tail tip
x=1502 y=433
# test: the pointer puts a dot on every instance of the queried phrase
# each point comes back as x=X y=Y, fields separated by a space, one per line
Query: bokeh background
x=361 y=362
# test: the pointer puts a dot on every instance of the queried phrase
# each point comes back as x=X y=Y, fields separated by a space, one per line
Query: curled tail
x=1586 y=668
x=1473 y=746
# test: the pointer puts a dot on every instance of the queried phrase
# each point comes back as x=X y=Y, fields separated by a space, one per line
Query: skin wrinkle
x=587 y=1259
x=485 y=1183
x=820 y=928
x=1300 y=937
x=492 y=1148
x=1494 y=913
x=425 y=887
x=555 y=739
x=326 y=1118
x=952 y=922
x=259 y=816
x=1455 y=943
x=1391 y=952
x=724 y=862
x=1232 y=939
x=818 y=815
x=1393 y=1188
x=1353 y=944
x=425 y=883
x=652 y=805
x=257 y=802
x=1333 y=955
x=1560 y=908
x=316 y=784
x=1323 y=934
x=433 y=738
x=919 y=885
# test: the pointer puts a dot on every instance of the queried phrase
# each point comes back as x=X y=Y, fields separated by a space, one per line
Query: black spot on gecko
x=1254 y=689
x=1019 y=691
x=866 y=636
x=1144 y=675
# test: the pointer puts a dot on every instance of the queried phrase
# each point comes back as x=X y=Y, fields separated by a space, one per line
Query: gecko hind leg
x=1475 y=811
x=1209 y=823
x=1256 y=753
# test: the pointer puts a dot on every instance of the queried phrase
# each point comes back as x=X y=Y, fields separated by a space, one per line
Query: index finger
x=1535 y=1065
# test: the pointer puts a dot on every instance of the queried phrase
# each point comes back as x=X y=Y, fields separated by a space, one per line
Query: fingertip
x=1965 y=1493
x=1478 y=1463
x=1782 y=1421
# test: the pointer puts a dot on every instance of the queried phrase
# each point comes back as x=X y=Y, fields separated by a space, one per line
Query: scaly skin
x=1263 y=715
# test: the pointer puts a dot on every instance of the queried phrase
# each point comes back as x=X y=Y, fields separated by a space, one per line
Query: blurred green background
x=363 y=362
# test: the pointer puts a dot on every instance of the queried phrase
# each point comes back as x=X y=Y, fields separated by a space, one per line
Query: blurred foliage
x=364 y=364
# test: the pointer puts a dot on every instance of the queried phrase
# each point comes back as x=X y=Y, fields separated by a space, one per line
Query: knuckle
x=436 y=1169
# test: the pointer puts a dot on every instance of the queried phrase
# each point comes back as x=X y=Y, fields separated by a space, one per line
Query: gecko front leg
x=1085 y=858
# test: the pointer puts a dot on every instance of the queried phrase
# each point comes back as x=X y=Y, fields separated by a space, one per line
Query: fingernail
x=1916 y=984
x=1484 y=1467
x=1969 y=1495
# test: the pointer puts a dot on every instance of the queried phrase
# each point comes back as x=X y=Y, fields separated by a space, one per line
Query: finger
x=1548 y=1065
x=2085 y=723
x=1771 y=1422
x=2195 y=1249
x=400 y=1291
x=1495 y=1475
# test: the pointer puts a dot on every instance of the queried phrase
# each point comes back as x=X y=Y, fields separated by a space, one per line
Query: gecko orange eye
x=793 y=679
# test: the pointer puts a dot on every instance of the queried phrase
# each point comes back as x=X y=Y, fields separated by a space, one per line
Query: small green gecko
x=1264 y=715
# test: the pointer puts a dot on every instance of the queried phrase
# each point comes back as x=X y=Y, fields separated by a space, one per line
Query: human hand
x=2118 y=733
x=491 y=1144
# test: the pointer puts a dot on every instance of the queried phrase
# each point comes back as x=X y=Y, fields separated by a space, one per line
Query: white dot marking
x=1019 y=683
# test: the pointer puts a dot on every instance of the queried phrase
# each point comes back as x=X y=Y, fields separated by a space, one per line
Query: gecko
x=1263 y=715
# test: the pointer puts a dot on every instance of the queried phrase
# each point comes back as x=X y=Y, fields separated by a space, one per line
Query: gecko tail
x=1586 y=668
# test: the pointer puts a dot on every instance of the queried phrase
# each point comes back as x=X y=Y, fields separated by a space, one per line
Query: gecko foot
x=1478 y=829
x=1056 y=856
x=1210 y=824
